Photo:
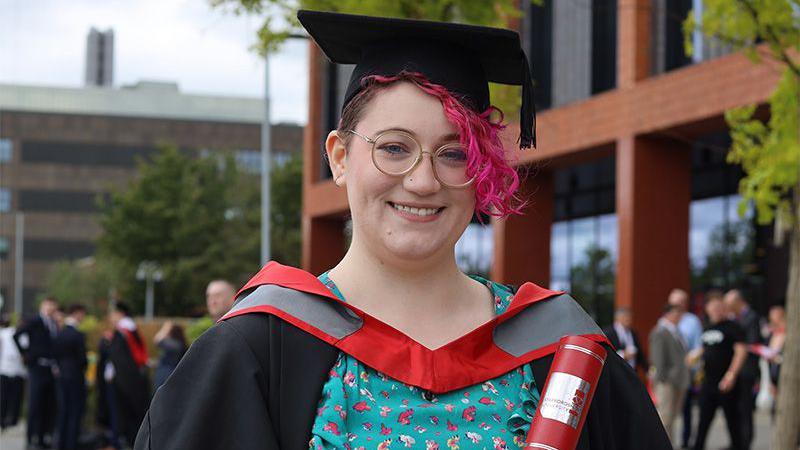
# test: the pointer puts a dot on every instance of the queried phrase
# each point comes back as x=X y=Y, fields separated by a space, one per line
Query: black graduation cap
x=462 y=58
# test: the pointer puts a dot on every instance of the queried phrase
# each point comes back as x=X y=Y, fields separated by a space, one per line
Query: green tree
x=180 y=212
x=87 y=282
x=769 y=153
x=592 y=284
x=286 y=192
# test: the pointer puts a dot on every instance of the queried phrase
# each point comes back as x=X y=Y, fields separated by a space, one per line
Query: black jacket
x=70 y=354
x=40 y=342
x=641 y=358
x=254 y=381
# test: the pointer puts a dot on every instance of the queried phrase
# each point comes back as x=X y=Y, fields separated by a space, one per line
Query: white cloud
x=204 y=50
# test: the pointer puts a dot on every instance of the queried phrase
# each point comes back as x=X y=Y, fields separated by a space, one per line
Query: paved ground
x=14 y=439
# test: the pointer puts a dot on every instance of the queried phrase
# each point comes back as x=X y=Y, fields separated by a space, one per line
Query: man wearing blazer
x=668 y=370
x=625 y=341
x=70 y=353
x=35 y=342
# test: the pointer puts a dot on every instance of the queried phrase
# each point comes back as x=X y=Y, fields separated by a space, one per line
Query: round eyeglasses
x=397 y=153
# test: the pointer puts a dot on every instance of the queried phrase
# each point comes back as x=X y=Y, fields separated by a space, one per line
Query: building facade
x=630 y=194
x=62 y=148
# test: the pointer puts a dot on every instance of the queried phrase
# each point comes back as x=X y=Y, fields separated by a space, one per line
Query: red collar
x=467 y=360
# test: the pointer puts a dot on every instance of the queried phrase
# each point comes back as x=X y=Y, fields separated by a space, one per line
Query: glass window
x=474 y=249
x=721 y=244
x=5 y=200
x=248 y=160
x=583 y=256
x=6 y=150
x=559 y=257
x=3 y=247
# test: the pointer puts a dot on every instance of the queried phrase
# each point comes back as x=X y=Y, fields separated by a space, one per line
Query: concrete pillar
x=653 y=193
x=522 y=243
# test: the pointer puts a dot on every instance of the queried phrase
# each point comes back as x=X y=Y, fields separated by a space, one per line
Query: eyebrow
x=445 y=138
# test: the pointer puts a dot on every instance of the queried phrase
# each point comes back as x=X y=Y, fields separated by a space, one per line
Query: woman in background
x=171 y=341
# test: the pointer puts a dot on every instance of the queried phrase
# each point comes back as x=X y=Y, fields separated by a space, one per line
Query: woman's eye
x=393 y=149
x=453 y=155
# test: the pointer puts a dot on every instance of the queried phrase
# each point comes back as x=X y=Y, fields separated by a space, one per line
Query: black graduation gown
x=131 y=387
x=253 y=381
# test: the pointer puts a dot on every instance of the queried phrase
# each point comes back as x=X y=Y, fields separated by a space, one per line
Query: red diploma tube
x=567 y=394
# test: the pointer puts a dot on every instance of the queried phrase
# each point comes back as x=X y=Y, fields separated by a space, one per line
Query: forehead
x=405 y=105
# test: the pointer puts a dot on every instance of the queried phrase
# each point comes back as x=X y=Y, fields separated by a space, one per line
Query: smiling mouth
x=422 y=212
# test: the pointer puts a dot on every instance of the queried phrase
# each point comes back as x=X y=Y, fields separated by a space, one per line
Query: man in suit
x=35 y=342
x=70 y=353
x=625 y=341
x=668 y=371
x=691 y=330
x=750 y=322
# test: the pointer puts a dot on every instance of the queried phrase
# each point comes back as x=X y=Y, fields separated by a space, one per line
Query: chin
x=413 y=250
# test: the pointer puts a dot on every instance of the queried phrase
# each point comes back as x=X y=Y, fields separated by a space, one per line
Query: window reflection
x=583 y=262
x=474 y=249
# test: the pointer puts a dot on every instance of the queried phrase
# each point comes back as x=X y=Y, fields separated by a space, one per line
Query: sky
x=204 y=50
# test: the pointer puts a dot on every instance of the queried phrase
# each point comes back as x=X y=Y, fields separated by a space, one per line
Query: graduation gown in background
x=254 y=380
x=130 y=382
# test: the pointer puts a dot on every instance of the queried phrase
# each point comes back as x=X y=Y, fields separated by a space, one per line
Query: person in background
x=105 y=409
x=625 y=341
x=723 y=354
x=34 y=340
x=126 y=371
x=70 y=355
x=220 y=295
x=12 y=376
x=775 y=343
x=668 y=370
x=172 y=342
x=749 y=376
x=691 y=330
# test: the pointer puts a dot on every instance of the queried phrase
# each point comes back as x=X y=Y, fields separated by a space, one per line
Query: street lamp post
x=266 y=162
x=150 y=272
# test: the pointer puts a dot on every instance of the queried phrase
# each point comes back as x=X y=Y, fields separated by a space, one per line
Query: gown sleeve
x=217 y=396
x=622 y=415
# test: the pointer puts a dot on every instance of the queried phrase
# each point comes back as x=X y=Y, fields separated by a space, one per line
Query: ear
x=337 y=157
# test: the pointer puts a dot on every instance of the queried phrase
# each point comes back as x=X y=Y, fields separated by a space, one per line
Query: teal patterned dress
x=362 y=408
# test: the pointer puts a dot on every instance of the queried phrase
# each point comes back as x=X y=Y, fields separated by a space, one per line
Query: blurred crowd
x=706 y=364
x=44 y=361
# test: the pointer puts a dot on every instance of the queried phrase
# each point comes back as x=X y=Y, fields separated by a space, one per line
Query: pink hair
x=496 y=182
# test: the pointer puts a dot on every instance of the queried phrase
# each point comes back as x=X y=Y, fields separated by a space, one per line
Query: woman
x=170 y=339
x=394 y=346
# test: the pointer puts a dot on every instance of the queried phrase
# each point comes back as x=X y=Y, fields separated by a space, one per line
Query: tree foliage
x=768 y=152
x=199 y=220
x=86 y=282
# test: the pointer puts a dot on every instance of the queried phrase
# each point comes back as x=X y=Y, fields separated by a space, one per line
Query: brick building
x=630 y=160
x=62 y=147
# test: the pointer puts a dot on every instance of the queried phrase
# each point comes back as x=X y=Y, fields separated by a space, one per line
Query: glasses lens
x=394 y=153
x=451 y=165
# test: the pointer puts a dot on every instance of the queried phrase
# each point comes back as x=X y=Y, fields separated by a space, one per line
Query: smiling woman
x=394 y=344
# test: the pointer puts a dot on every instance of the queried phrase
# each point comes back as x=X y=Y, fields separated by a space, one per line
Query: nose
x=421 y=180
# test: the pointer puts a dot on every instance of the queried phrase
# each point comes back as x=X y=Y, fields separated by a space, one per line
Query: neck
x=374 y=284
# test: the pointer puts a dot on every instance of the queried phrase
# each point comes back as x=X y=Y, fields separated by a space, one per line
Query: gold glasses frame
x=417 y=160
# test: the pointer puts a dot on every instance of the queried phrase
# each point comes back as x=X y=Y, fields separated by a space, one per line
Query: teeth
x=417 y=211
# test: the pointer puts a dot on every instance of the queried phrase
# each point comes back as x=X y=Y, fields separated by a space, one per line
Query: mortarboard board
x=462 y=58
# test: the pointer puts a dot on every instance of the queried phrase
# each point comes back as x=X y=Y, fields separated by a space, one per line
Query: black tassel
x=527 y=112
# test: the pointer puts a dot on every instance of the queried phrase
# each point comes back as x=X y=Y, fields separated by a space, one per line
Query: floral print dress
x=362 y=408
